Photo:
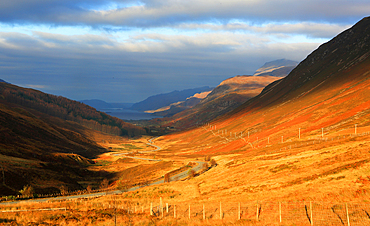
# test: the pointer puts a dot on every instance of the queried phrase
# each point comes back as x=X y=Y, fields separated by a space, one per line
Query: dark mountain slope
x=322 y=69
x=45 y=141
x=326 y=93
x=66 y=109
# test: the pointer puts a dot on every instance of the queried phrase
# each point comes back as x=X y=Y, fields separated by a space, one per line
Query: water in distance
x=127 y=114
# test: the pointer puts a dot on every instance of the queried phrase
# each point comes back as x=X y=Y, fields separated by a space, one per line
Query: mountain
x=329 y=89
x=100 y=104
x=162 y=100
x=66 y=109
x=227 y=96
x=180 y=106
x=45 y=140
x=97 y=104
x=278 y=68
x=3 y=81
x=304 y=137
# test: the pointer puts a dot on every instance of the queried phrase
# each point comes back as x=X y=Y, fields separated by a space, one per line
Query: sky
x=125 y=50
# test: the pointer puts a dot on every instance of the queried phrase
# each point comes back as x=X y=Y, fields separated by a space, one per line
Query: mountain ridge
x=162 y=100
x=279 y=68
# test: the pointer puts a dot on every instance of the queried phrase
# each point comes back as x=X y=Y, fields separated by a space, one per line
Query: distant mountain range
x=227 y=96
x=162 y=100
x=278 y=68
x=100 y=104
x=3 y=81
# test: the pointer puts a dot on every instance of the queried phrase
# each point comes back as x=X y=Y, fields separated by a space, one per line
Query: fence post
x=280 y=211
x=311 y=212
x=239 y=212
x=174 y=211
x=151 y=209
x=167 y=207
x=220 y=211
x=257 y=212
x=189 y=211
x=347 y=215
x=204 y=213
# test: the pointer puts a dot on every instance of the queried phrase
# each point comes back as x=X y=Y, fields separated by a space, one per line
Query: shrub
x=191 y=173
x=27 y=191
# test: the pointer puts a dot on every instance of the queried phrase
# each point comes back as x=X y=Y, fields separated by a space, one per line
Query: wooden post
x=189 y=211
x=174 y=211
x=239 y=212
x=347 y=215
x=299 y=133
x=220 y=211
x=161 y=206
x=355 y=129
x=322 y=132
x=257 y=212
x=204 y=213
x=167 y=207
x=151 y=209
x=280 y=211
x=311 y=212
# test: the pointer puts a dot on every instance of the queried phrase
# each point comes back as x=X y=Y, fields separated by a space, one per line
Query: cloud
x=126 y=50
x=159 y=13
x=91 y=66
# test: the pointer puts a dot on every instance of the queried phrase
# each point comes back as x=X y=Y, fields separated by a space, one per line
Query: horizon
x=125 y=51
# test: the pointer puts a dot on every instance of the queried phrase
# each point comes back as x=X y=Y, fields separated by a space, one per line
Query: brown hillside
x=305 y=136
x=45 y=141
x=227 y=96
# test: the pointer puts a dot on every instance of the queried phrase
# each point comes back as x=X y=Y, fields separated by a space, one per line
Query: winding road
x=198 y=167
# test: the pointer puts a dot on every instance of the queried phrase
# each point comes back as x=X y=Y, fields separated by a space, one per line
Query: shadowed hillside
x=66 y=109
x=45 y=141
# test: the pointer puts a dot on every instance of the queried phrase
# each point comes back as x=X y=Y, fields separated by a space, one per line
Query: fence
x=253 y=213
x=275 y=213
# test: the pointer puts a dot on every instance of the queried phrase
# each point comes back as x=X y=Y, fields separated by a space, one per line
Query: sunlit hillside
x=304 y=137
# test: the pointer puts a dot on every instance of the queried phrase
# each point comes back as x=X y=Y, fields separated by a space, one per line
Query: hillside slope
x=279 y=68
x=45 y=141
x=162 y=100
x=227 y=96
x=305 y=137
x=66 y=109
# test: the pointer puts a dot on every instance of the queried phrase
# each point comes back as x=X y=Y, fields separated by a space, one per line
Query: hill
x=304 y=137
x=278 y=68
x=227 y=96
x=45 y=140
x=97 y=104
x=180 y=106
x=66 y=109
x=162 y=100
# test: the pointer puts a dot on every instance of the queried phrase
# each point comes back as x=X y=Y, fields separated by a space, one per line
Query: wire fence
x=266 y=213
x=246 y=213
